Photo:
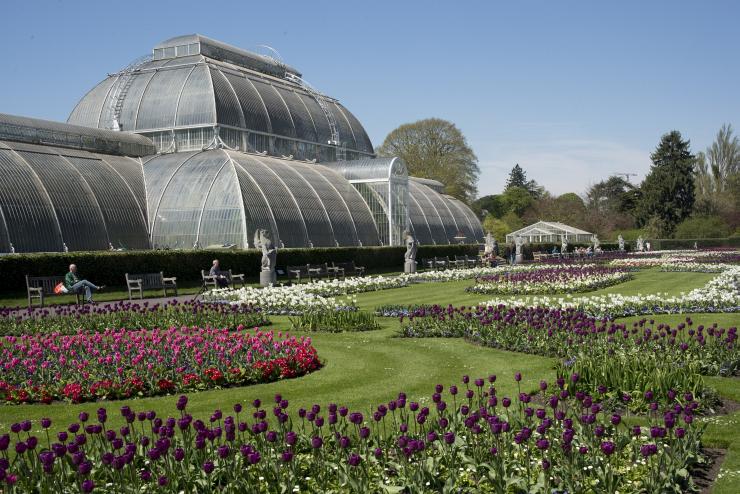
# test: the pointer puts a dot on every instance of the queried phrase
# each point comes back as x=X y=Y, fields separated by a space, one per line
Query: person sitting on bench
x=220 y=276
x=74 y=284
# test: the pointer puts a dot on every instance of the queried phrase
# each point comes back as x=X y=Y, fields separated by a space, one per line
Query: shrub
x=702 y=227
x=108 y=268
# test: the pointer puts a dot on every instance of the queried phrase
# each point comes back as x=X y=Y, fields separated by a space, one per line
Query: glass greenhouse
x=549 y=232
x=201 y=144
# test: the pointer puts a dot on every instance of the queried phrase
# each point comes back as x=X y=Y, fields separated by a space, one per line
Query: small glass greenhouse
x=549 y=232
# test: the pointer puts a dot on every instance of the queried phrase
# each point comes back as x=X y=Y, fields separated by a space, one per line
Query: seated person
x=222 y=280
x=74 y=283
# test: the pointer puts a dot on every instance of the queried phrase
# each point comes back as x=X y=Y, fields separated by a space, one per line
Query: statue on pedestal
x=640 y=244
x=563 y=244
x=620 y=239
x=489 y=243
x=519 y=241
x=263 y=241
x=412 y=247
x=596 y=242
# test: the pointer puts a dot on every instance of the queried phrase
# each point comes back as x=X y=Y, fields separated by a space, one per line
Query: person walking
x=74 y=283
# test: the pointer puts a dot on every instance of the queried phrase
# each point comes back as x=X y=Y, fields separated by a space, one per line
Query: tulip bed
x=68 y=319
x=335 y=321
x=721 y=294
x=555 y=279
x=629 y=360
x=468 y=438
x=124 y=363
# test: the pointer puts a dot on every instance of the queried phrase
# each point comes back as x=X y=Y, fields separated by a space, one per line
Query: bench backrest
x=46 y=283
x=148 y=280
x=347 y=266
x=302 y=269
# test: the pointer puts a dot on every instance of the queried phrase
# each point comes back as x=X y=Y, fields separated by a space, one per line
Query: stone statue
x=595 y=240
x=495 y=247
x=519 y=241
x=563 y=244
x=263 y=241
x=64 y=247
x=489 y=242
x=640 y=244
x=620 y=239
x=12 y=248
x=412 y=247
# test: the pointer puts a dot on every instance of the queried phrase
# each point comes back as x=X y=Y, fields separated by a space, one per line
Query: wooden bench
x=317 y=271
x=298 y=273
x=348 y=268
x=38 y=287
x=150 y=281
x=211 y=280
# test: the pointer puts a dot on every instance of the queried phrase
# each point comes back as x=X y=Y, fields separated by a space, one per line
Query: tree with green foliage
x=518 y=178
x=436 y=149
x=668 y=190
x=492 y=204
x=702 y=227
x=517 y=200
x=717 y=176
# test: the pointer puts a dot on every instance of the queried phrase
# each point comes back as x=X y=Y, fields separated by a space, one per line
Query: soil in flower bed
x=705 y=474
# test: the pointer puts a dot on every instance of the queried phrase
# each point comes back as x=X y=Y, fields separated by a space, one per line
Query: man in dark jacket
x=74 y=284
x=220 y=276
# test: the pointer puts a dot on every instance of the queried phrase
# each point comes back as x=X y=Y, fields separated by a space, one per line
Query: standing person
x=73 y=282
x=221 y=279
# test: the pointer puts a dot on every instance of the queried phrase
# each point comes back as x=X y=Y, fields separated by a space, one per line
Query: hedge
x=688 y=243
x=108 y=268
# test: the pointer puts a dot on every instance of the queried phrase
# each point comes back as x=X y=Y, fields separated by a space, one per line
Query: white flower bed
x=573 y=284
x=290 y=300
x=721 y=294
x=694 y=267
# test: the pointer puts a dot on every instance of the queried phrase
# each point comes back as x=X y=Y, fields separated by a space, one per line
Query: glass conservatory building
x=549 y=232
x=199 y=145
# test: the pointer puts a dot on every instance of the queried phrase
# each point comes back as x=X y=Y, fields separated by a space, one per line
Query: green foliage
x=108 y=268
x=668 y=190
x=493 y=204
x=335 y=321
x=498 y=228
x=436 y=149
x=517 y=200
x=518 y=178
x=702 y=227
x=688 y=243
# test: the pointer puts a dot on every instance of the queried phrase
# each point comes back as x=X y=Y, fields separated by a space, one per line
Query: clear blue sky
x=571 y=90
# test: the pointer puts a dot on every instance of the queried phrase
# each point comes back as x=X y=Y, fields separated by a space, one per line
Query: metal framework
x=549 y=232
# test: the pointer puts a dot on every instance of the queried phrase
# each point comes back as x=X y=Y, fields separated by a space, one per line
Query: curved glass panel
x=196 y=104
x=28 y=214
x=436 y=226
x=302 y=120
x=76 y=208
x=159 y=104
x=178 y=213
x=87 y=112
x=361 y=138
x=280 y=120
x=255 y=114
x=419 y=222
x=228 y=109
x=346 y=136
x=157 y=174
x=222 y=221
x=132 y=101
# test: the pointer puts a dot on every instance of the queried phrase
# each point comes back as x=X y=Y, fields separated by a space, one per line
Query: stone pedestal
x=519 y=259
x=409 y=266
x=267 y=278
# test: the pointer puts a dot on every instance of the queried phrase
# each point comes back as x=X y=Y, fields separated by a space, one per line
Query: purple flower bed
x=561 y=279
x=463 y=438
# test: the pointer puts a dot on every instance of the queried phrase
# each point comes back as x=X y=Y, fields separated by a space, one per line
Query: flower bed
x=557 y=279
x=124 y=363
x=629 y=360
x=677 y=266
x=336 y=321
x=68 y=319
x=468 y=439
x=284 y=300
x=721 y=294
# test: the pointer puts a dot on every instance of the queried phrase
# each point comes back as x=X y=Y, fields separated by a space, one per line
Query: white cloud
x=561 y=165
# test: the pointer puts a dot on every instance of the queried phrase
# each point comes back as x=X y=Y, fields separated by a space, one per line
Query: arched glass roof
x=437 y=219
x=222 y=197
x=51 y=196
x=212 y=85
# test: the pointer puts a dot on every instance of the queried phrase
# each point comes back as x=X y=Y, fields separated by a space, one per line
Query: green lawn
x=364 y=369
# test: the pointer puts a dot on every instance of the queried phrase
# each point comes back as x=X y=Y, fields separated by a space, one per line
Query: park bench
x=149 y=281
x=209 y=281
x=298 y=273
x=317 y=271
x=38 y=287
x=348 y=268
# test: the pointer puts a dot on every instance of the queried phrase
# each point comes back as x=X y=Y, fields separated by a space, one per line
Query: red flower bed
x=123 y=363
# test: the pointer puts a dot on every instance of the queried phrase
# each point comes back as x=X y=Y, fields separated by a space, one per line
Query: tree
x=497 y=227
x=717 y=172
x=493 y=204
x=723 y=157
x=702 y=227
x=668 y=190
x=436 y=149
x=611 y=195
x=517 y=200
x=518 y=178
